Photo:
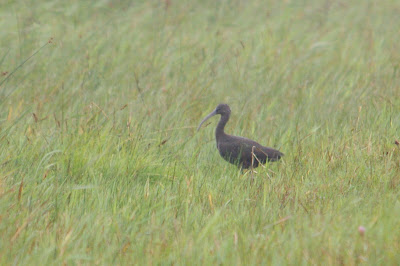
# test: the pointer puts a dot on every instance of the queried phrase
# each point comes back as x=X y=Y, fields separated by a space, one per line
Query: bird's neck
x=219 y=132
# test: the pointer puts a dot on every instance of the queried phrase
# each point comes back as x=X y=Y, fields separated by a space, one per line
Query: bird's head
x=222 y=109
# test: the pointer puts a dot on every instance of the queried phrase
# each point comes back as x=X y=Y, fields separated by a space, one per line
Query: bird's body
x=245 y=153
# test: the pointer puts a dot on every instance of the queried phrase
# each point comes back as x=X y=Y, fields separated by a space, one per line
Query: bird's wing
x=261 y=152
x=236 y=146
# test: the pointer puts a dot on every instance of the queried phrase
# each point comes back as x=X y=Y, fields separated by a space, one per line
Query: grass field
x=100 y=161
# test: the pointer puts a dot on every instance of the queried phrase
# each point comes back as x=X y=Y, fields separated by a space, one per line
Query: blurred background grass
x=100 y=162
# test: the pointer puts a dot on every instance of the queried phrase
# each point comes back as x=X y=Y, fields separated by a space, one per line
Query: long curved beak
x=207 y=117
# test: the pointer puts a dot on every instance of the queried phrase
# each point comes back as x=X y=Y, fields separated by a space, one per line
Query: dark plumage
x=238 y=150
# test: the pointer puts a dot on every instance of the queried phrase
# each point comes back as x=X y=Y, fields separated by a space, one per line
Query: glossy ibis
x=239 y=150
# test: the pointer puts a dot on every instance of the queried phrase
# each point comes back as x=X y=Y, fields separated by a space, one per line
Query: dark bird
x=238 y=150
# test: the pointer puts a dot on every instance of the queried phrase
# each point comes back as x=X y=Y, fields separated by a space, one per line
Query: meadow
x=101 y=164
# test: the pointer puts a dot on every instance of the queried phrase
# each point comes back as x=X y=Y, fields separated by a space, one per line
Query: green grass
x=101 y=163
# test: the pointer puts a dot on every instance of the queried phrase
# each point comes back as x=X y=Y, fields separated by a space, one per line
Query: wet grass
x=100 y=162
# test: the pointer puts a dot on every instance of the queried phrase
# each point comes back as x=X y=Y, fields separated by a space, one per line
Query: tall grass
x=100 y=162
